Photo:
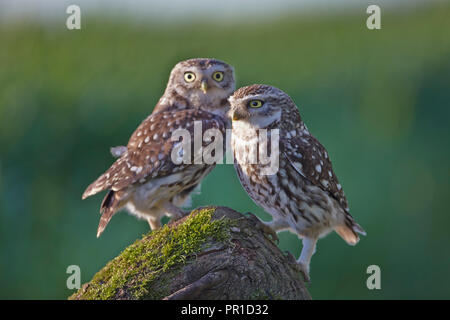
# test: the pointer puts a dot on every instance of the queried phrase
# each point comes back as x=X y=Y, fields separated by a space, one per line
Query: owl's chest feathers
x=290 y=197
x=243 y=132
x=163 y=189
x=245 y=143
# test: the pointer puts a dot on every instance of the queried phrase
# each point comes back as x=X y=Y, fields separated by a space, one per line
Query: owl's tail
x=349 y=230
x=109 y=207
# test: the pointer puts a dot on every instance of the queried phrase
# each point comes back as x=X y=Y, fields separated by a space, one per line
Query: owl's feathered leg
x=154 y=223
x=184 y=199
x=309 y=247
x=278 y=225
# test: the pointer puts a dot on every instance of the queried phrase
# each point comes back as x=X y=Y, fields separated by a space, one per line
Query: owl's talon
x=290 y=257
x=299 y=267
x=304 y=271
x=267 y=230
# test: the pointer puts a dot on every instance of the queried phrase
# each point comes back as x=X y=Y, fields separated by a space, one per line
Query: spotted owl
x=144 y=179
x=303 y=195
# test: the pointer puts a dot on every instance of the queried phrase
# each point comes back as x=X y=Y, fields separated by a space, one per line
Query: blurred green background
x=377 y=100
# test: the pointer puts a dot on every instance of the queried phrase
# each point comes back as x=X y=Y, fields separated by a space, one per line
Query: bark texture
x=214 y=253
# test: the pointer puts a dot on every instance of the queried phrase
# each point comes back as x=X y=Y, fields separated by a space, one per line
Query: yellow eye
x=255 y=104
x=189 y=76
x=218 y=76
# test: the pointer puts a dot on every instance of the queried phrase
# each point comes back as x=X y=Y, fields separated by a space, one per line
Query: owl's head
x=260 y=105
x=205 y=83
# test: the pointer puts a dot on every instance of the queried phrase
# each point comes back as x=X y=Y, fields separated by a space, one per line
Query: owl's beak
x=237 y=116
x=204 y=86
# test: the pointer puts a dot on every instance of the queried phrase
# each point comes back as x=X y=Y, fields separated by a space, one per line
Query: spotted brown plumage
x=145 y=179
x=149 y=149
x=304 y=194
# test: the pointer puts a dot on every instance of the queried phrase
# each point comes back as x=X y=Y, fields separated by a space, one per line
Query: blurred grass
x=378 y=100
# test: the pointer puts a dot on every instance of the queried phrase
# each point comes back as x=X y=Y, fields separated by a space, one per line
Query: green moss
x=147 y=260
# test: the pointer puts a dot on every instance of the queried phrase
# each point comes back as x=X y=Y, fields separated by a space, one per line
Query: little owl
x=303 y=195
x=144 y=179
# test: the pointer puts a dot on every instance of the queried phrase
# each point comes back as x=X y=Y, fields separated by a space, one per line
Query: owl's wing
x=310 y=159
x=149 y=150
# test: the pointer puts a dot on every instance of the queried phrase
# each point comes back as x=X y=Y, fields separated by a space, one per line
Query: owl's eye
x=189 y=76
x=255 y=104
x=218 y=76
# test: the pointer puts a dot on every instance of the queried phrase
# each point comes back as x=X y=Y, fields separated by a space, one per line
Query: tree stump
x=213 y=253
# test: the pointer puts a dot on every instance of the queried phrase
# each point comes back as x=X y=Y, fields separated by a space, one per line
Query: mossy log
x=214 y=253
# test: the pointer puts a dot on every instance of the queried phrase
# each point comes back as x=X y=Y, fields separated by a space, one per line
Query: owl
x=145 y=179
x=303 y=194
